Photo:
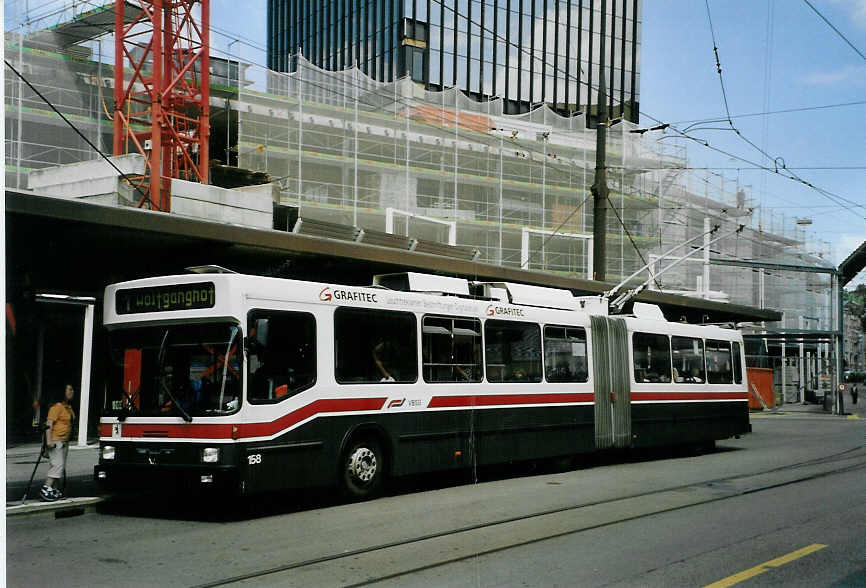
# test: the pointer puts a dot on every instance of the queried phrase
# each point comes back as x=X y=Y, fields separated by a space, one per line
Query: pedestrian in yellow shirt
x=57 y=434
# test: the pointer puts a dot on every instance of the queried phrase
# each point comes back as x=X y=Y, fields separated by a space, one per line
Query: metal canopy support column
x=84 y=394
x=801 y=385
x=86 y=355
x=705 y=282
x=839 y=402
x=784 y=372
x=819 y=369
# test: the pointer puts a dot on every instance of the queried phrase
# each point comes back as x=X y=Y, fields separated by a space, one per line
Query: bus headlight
x=210 y=455
x=107 y=452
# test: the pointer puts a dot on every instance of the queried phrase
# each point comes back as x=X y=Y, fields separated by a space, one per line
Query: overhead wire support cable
x=838 y=32
x=790 y=174
x=782 y=111
x=718 y=65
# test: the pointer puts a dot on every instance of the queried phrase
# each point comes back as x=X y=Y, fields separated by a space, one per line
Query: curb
x=67 y=504
x=801 y=414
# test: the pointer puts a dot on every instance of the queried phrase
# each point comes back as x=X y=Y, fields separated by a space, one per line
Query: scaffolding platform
x=85 y=26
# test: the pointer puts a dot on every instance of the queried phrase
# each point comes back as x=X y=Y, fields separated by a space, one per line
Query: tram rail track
x=551 y=523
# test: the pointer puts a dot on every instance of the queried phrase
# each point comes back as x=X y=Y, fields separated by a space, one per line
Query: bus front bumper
x=169 y=478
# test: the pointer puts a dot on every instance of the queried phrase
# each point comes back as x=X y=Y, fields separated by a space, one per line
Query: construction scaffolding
x=350 y=150
x=74 y=81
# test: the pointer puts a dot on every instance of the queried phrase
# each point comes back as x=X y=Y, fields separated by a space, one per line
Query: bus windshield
x=175 y=370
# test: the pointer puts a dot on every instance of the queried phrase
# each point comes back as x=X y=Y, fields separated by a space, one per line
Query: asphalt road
x=793 y=488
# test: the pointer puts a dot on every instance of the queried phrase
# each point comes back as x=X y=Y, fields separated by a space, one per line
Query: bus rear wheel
x=362 y=469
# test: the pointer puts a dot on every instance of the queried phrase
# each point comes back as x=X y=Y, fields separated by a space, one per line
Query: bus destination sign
x=165 y=298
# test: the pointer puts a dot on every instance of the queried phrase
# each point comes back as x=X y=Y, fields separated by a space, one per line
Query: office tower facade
x=526 y=52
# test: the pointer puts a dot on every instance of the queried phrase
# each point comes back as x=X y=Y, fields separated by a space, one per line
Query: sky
x=774 y=54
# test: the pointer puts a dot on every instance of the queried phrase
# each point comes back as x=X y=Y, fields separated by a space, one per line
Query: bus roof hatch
x=536 y=295
x=415 y=282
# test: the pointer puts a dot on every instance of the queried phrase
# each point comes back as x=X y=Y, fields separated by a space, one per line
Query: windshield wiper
x=226 y=367
x=125 y=411
x=162 y=383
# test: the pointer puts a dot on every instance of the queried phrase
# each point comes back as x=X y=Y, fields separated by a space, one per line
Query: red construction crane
x=162 y=104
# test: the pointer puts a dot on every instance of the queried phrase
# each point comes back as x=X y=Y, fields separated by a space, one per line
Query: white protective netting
x=347 y=148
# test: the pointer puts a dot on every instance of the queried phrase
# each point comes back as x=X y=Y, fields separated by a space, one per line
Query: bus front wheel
x=362 y=469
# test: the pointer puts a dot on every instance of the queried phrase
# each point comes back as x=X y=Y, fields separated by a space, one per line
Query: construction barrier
x=760 y=381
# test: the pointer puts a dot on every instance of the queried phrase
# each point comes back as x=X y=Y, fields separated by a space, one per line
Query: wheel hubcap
x=362 y=464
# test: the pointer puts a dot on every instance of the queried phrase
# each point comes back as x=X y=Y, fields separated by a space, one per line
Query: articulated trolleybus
x=251 y=384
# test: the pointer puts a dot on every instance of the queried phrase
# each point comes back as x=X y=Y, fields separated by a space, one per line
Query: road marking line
x=764 y=567
x=853 y=417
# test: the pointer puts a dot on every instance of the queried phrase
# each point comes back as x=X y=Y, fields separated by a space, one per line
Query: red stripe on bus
x=161 y=431
x=303 y=413
x=689 y=396
x=241 y=430
x=500 y=399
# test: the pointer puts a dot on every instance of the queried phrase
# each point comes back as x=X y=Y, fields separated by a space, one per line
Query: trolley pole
x=599 y=186
x=839 y=404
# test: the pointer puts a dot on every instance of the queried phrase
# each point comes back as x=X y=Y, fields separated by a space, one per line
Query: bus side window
x=375 y=346
x=688 y=358
x=565 y=354
x=451 y=349
x=512 y=351
x=283 y=363
x=738 y=366
x=652 y=358
x=719 y=365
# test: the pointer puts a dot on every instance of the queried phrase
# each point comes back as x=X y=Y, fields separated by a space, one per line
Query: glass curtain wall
x=335 y=34
x=527 y=52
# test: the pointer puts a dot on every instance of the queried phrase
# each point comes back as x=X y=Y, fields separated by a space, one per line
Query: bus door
x=612 y=387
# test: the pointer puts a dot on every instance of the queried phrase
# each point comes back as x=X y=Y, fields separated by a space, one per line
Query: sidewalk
x=856 y=411
x=21 y=459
